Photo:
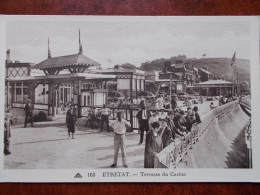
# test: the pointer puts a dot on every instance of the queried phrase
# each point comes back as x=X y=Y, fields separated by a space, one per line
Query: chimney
x=8 y=56
x=166 y=65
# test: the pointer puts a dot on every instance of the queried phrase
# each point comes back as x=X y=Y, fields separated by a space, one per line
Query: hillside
x=218 y=66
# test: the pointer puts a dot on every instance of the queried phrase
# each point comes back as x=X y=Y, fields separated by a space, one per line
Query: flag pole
x=170 y=91
x=233 y=69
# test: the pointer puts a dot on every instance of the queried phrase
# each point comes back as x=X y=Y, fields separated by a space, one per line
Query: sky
x=134 y=40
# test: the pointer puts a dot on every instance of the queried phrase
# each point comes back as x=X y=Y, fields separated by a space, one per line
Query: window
x=88 y=100
x=25 y=91
x=85 y=100
x=18 y=91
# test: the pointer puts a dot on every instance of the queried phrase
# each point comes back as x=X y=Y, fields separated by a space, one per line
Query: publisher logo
x=78 y=175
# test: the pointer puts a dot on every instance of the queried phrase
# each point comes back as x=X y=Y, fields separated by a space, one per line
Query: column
x=15 y=92
x=22 y=92
x=53 y=100
x=30 y=89
x=7 y=94
x=58 y=96
x=33 y=93
x=140 y=84
x=106 y=85
x=50 y=99
x=79 y=99
x=12 y=94
x=131 y=89
x=74 y=91
x=135 y=86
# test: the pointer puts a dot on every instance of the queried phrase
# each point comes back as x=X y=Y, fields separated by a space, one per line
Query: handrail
x=248 y=135
x=171 y=155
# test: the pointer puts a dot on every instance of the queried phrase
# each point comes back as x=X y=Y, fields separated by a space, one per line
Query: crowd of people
x=160 y=117
x=159 y=101
x=156 y=102
x=163 y=127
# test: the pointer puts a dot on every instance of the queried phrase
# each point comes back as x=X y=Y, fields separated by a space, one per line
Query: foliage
x=219 y=67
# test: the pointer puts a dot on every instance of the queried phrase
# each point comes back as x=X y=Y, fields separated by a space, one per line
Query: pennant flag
x=49 y=51
x=80 y=46
x=233 y=59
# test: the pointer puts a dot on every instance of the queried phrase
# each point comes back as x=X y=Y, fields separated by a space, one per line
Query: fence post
x=113 y=113
x=131 y=119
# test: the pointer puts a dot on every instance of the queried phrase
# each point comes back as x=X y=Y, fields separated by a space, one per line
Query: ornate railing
x=248 y=135
x=170 y=156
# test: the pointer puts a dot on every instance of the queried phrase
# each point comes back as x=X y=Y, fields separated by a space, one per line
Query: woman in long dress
x=71 y=121
x=153 y=145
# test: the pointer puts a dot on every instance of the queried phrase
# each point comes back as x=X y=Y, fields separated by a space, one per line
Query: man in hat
x=160 y=102
x=171 y=125
x=189 y=119
x=153 y=118
x=165 y=132
x=105 y=112
x=71 y=120
x=182 y=119
x=174 y=102
x=189 y=111
x=7 y=132
x=162 y=114
x=197 y=116
x=212 y=106
x=28 y=113
x=143 y=117
x=177 y=122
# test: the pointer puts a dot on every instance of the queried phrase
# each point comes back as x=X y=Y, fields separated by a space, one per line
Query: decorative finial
x=49 y=51
x=80 y=46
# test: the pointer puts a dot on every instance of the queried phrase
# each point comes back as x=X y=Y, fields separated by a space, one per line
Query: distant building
x=128 y=81
x=16 y=91
x=215 y=88
x=152 y=75
x=205 y=75
x=180 y=73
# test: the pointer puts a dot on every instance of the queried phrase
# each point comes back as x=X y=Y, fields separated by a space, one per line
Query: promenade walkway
x=47 y=146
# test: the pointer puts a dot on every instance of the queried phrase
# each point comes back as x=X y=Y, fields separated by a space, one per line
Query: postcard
x=129 y=99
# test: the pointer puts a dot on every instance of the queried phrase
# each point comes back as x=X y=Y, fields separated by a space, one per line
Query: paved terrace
x=47 y=146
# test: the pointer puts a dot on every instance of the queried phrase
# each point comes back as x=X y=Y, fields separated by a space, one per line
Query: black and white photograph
x=109 y=99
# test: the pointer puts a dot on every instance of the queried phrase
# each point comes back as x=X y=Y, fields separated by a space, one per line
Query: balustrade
x=170 y=156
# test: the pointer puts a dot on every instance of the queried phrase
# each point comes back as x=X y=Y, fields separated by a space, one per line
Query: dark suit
x=166 y=135
x=189 y=122
x=174 y=104
x=197 y=118
x=173 y=128
x=71 y=119
x=143 y=123
x=28 y=114
x=153 y=145
x=7 y=132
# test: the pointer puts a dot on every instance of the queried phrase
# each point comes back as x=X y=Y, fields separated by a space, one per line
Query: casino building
x=55 y=83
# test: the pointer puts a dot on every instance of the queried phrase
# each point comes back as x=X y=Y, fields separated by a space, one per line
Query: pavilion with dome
x=57 y=82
